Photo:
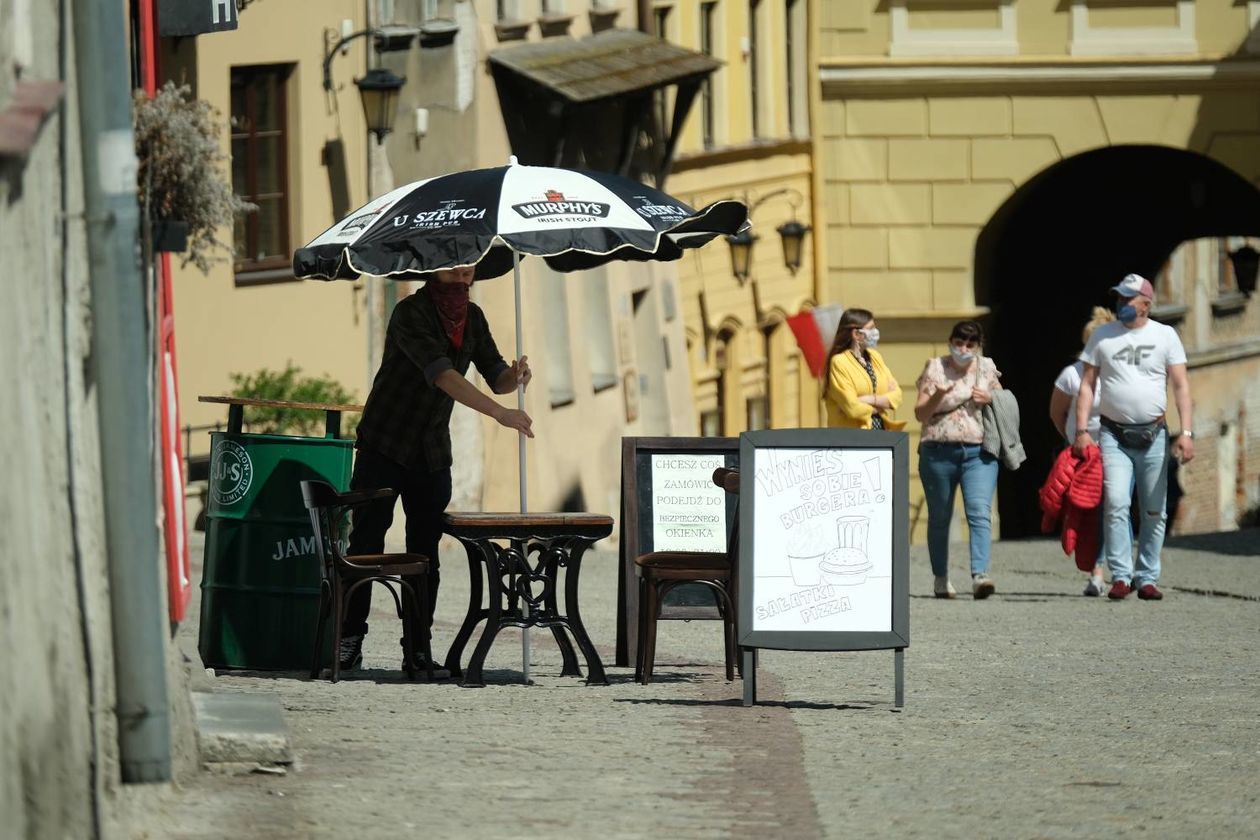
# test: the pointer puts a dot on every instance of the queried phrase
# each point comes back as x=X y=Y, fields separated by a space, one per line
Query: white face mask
x=963 y=357
x=871 y=336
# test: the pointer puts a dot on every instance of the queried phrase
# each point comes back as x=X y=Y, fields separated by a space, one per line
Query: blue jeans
x=942 y=468
x=1124 y=470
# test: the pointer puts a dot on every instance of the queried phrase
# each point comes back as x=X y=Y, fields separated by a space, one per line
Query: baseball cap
x=1133 y=285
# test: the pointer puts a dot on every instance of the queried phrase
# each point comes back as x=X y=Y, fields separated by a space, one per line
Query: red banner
x=815 y=329
x=809 y=340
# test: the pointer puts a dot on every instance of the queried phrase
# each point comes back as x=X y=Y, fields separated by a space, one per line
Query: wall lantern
x=741 y=254
x=378 y=90
x=791 y=233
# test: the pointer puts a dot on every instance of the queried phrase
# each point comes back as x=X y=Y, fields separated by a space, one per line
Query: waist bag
x=1135 y=435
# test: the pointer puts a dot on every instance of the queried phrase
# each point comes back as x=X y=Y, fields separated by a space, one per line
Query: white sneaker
x=942 y=588
x=981 y=586
x=1094 y=588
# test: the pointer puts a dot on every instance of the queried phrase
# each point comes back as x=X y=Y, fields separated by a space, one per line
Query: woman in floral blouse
x=952 y=391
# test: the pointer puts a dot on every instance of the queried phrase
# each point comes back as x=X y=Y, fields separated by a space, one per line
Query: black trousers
x=425 y=496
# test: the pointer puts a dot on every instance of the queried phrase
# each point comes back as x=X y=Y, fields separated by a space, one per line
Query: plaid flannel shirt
x=407 y=417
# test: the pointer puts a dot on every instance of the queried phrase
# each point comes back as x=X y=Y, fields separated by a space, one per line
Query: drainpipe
x=121 y=351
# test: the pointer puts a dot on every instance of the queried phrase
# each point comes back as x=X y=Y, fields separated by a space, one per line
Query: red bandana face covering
x=452 y=305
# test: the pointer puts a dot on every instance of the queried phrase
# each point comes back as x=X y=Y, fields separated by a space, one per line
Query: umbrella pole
x=520 y=445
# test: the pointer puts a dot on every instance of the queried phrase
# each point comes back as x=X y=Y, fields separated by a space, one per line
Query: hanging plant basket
x=170 y=236
x=183 y=180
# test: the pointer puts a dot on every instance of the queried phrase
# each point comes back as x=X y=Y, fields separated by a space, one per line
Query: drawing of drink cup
x=852 y=532
x=806 y=548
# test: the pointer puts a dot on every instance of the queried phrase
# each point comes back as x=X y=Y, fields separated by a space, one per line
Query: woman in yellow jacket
x=860 y=391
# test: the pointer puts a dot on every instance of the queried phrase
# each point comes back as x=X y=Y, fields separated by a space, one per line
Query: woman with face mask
x=1063 y=415
x=952 y=390
x=860 y=391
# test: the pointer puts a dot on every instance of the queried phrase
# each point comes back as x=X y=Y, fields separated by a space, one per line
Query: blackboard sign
x=195 y=17
x=824 y=561
x=670 y=503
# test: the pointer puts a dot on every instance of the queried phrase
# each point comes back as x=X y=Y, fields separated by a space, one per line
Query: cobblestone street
x=1039 y=713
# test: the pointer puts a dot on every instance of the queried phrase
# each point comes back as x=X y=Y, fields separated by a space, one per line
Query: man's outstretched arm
x=464 y=392
x=517 y=373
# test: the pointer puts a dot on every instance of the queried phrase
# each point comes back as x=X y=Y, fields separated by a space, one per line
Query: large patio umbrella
x=489 y=218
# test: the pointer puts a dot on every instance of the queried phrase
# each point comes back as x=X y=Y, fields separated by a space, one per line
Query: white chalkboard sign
x=670 y=503
x=688 y=510
x=824 y=559
x=823 y=540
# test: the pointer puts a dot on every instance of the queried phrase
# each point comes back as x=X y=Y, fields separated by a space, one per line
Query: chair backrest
x=318 y=494
x=728 y=479
x=321 y=503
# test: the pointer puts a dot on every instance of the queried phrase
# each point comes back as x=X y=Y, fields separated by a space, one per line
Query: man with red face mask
x=404 y=439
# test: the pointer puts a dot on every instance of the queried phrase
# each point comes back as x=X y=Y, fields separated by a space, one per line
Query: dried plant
x=183 y=170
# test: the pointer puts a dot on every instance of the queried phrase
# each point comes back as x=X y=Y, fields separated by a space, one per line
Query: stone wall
x=59 y=767
x=53 y=611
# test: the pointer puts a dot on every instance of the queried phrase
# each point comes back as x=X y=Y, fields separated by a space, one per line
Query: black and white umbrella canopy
x=574 y=219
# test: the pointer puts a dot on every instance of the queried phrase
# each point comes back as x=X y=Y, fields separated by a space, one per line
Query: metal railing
x=197 y=467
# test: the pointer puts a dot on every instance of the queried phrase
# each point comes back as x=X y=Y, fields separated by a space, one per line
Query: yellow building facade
x=248 y=312
x=1009 y=160
x=607 y=347
x=748 y=137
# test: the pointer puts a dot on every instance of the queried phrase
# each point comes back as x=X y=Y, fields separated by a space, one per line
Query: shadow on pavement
x=1014 y=597
x=782 y=704
x=377 y=675
x=1241 y=543
x=667 y=676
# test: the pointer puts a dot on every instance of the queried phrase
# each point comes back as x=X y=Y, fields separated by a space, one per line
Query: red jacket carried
x=1072 y=495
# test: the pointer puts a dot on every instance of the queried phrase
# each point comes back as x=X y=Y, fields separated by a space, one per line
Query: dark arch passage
x=1053 y=249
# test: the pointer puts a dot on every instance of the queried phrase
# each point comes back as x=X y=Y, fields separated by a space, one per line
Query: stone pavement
x=1037 y=713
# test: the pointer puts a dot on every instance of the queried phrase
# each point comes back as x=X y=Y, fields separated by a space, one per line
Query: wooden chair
x=661 y=571
x=341 y=575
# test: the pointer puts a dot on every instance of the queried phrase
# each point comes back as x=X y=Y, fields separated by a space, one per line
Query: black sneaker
x=350 y=653
x=420 y=664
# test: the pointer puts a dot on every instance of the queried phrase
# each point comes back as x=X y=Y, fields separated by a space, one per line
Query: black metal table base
x=523 y=592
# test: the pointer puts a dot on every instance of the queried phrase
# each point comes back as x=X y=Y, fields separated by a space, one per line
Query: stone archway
x=1058 y=243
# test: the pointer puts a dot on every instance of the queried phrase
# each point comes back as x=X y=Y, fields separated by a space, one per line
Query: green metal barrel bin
x=260 y=579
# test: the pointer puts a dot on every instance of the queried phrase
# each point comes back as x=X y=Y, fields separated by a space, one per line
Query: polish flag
x=815 y=329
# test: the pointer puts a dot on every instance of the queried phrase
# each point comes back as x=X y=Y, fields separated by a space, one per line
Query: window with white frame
x=558 y=344
x=1144 y=27
x=662 y=26
x=796 y=71
x=708 y=14
x=925 y=28
x=598 y=314
x=754 y=66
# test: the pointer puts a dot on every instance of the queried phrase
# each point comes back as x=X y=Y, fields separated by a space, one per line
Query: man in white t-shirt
x=1132 y=360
